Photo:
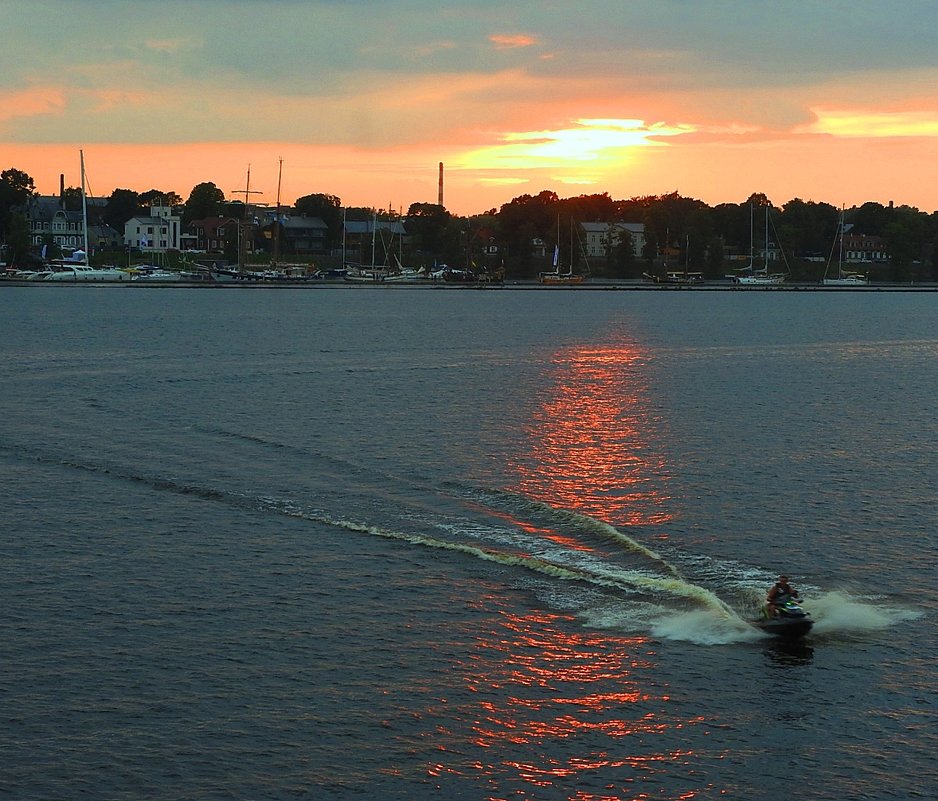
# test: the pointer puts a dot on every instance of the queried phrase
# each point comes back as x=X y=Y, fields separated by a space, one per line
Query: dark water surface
x=340 y=544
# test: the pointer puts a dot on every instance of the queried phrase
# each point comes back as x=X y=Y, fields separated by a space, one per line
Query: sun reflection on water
x=590 y=439
x=560 y=708
x=552 y=707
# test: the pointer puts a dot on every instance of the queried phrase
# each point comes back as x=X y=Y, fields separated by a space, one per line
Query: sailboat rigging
x=749 y=275
x=78 y=266
x=841 y=278
x=555 y=277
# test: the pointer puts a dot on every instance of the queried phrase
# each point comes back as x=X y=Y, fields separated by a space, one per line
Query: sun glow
x=874 y=124
x=596 y=142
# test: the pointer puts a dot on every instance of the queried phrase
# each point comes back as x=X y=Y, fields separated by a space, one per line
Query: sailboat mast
x=277 y=219
x=84 y=207
x=765 y=255
x=344 y=259
x=751 y=237
x=840 y=257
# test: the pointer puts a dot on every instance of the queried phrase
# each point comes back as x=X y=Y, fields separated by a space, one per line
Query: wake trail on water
x=838 y=612
x=612 y=577
x=650 y=596
x=597 y=527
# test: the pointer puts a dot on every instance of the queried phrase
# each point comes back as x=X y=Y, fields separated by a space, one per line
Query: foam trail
x=703 y=628
x=611 y=578
x=677 y=587
x=600 y=527
x=839 y=612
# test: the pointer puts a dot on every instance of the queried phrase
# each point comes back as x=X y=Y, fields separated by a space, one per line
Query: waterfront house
x=157 y=232
x=299 y=234
x=214 y=234
x=50 y=223
x=602 y=237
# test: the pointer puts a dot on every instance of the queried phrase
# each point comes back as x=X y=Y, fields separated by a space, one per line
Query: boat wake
x=607 y=579
x=838 y=612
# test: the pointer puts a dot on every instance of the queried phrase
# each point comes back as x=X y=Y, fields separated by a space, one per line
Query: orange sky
x=714 y=103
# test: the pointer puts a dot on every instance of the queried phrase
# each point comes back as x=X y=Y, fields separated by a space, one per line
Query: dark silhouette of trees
x=328 y=208
x=205 y=200
x=121 y=206
x=427 y=225
x=526 y=229
x=16 y=188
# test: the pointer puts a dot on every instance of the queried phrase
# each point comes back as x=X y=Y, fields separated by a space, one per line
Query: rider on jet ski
x=780 y=593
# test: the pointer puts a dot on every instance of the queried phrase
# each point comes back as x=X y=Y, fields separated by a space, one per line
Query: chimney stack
x=440 y=201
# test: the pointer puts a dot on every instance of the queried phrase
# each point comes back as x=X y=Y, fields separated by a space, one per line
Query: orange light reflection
x=543 y=670
x=590 y=448
x=546 y=533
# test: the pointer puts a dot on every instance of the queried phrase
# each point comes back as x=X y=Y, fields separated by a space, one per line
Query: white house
x=602 y=237
x=157 y=233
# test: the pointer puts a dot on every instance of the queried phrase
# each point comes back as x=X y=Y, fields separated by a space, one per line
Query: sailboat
x=76 y=267
x=676 y=276
x=842 y=278
x=749 y=276
x=555 y=277
x=373 y=274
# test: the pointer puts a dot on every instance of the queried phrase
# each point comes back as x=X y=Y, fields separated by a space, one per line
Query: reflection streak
x=563 y=692
x=589 y=439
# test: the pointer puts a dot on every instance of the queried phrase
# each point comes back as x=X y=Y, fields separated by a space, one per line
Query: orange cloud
x=31 y=103
x=872 y=124
x=509 y=41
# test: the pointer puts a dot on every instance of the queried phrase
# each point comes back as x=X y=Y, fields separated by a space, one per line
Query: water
x=401 y=544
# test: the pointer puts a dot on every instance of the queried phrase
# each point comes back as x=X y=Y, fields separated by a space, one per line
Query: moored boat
x=841 y=278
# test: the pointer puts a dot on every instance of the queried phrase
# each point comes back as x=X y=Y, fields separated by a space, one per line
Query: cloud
x=38 y=101
x=872 y=124
x=511 y=41
x=584 y=140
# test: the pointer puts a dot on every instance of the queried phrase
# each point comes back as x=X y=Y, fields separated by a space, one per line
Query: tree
x=154 y=197
x=524 y=219
x=329 y=209
x=623 y=252
x=122 y=205
x=71 y=198
x=714 y=268
x=18 y=239
x=650 y=248
x=204 y=201
x=16 y=188
x=427 y=223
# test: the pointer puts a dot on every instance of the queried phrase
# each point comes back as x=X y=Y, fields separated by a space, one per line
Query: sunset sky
x=829 y=101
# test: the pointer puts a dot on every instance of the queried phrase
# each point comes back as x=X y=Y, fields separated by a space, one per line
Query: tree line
x=682 y=231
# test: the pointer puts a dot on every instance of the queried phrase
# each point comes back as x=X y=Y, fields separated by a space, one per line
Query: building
x=50 y=223
x=861 y=248
x=602 y=237
x=157 y=232
x=299 y=234
x=363 y=238
x=213 y=234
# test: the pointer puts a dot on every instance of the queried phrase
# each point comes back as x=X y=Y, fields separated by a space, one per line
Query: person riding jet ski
x=778 y=595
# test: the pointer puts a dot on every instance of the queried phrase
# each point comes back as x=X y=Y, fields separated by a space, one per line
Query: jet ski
x=791 y=620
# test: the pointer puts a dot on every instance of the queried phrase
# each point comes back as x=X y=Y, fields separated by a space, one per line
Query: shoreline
x=626 y=285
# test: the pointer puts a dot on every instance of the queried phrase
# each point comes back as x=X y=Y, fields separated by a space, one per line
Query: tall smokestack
x=62 y=188
x=440 y=201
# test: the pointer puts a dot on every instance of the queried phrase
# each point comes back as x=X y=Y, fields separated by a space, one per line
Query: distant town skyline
x=829 y=102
